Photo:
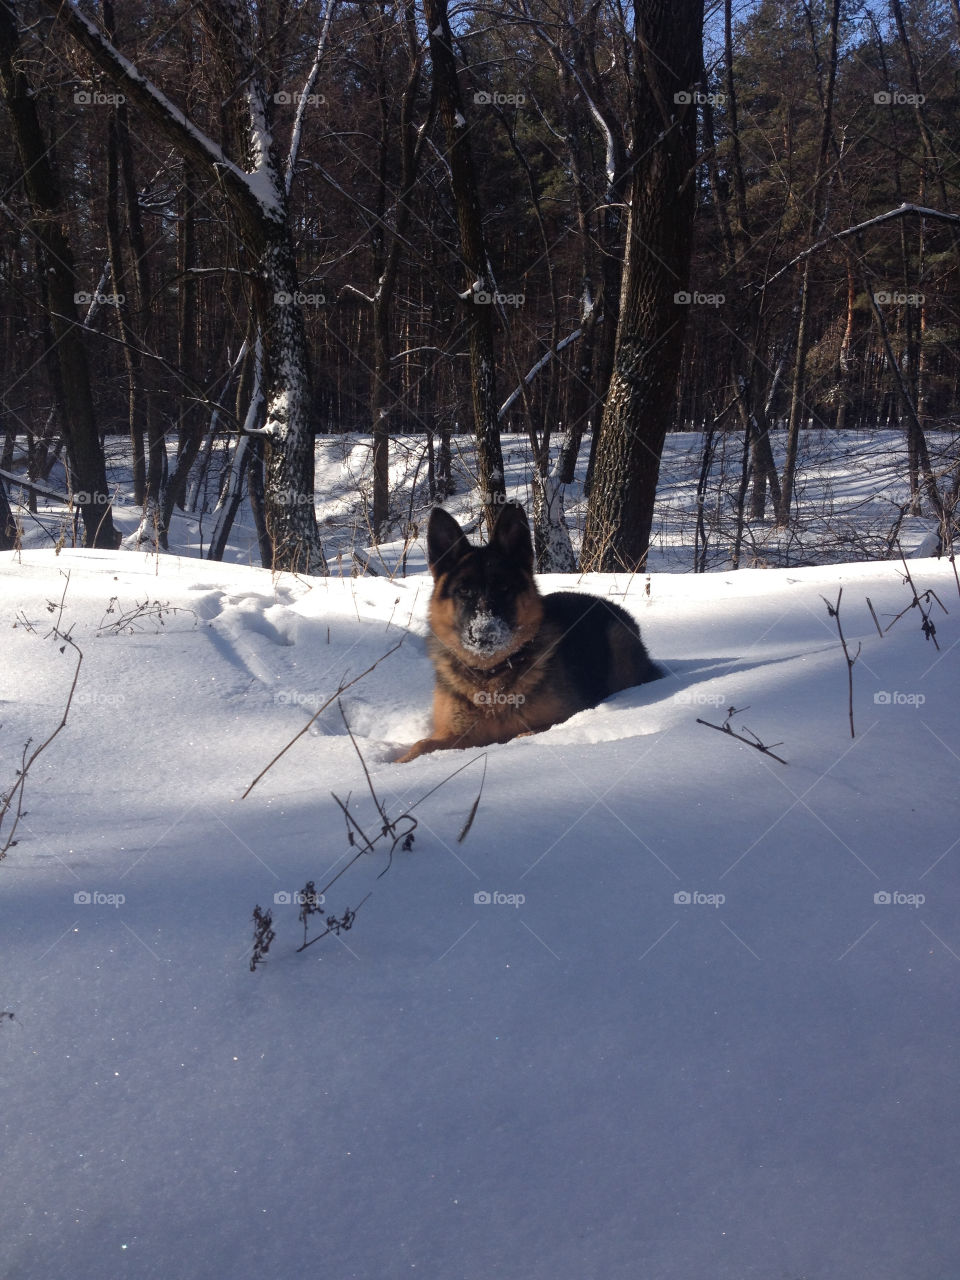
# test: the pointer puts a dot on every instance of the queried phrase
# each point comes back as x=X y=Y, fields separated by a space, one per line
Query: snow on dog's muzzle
x=486 y=634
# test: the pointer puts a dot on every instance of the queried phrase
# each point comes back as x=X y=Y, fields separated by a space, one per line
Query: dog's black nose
x=486 y=633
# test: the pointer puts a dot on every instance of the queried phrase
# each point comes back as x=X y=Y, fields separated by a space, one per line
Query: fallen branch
x=31 y=486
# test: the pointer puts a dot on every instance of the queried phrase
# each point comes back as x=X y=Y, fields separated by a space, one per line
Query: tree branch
x=176 y=126
x=903 y=210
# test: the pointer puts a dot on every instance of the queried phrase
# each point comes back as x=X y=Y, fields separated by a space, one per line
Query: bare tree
x=66 y=354
x=481 y=286
x=256 y=190
x=639 y=408
x=817 y=213
x=389 y=229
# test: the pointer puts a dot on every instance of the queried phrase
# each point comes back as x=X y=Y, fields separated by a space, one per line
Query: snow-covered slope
x=684 y=1039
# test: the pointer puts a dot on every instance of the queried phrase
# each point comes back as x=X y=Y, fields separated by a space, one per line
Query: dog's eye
x=462 y=592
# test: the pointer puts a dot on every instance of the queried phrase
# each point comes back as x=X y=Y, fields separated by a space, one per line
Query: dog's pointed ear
x=511 y=536
x=446 y=542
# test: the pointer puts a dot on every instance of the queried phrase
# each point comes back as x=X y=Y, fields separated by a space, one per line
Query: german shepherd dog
x=508 y=660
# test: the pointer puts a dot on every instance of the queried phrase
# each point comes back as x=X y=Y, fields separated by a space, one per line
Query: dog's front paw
x=421 y=748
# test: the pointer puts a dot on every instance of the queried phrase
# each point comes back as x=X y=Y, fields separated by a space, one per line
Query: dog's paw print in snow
x=252 y=628
x=377 y=723
x=267 y=618
x=207 y=604
x=210 y=601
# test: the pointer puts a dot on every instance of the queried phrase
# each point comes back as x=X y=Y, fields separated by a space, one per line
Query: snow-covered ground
x=852 y=492
x=650 y=1019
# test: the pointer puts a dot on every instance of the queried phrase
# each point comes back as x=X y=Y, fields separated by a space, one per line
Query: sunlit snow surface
x=672 y=1010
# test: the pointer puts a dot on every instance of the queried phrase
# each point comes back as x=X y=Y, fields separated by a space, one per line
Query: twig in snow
x=263 y=935
x=342 y=689
x=312 y=901
x=131 y=620
x=873 y=615
x=475 y=806
x=16 y=791
x=834 y=612
x=752 y=741
x=927 y=627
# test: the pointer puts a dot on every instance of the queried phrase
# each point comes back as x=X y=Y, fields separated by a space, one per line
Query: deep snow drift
x=671 y=1010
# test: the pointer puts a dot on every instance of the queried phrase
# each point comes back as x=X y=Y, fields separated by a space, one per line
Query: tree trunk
x=66 y=355
x=551 y=537
x=845 y=358
x=480 y=285
x=817 y=205
x=255 y=489
x=640 y=404
x=230 y=498
x=190 y=421
x=257 y=194
x=133 y=364
x=8 y=525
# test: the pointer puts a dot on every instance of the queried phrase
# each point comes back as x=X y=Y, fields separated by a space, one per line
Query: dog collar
x=491 y=673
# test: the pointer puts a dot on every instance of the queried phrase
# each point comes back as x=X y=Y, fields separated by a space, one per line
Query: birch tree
x=256 y=189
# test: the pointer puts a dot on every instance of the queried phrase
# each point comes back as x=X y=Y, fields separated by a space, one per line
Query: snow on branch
x=902 y=211
x=305 y=95
x=529 y=377
x=177 y=126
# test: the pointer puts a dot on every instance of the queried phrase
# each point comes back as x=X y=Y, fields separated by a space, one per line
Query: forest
x=588 y=223
x=361 y=908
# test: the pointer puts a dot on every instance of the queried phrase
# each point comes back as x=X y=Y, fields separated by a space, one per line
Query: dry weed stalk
x=834 y=612
x=399 y=831
x=752 y=741
x=26 y=762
